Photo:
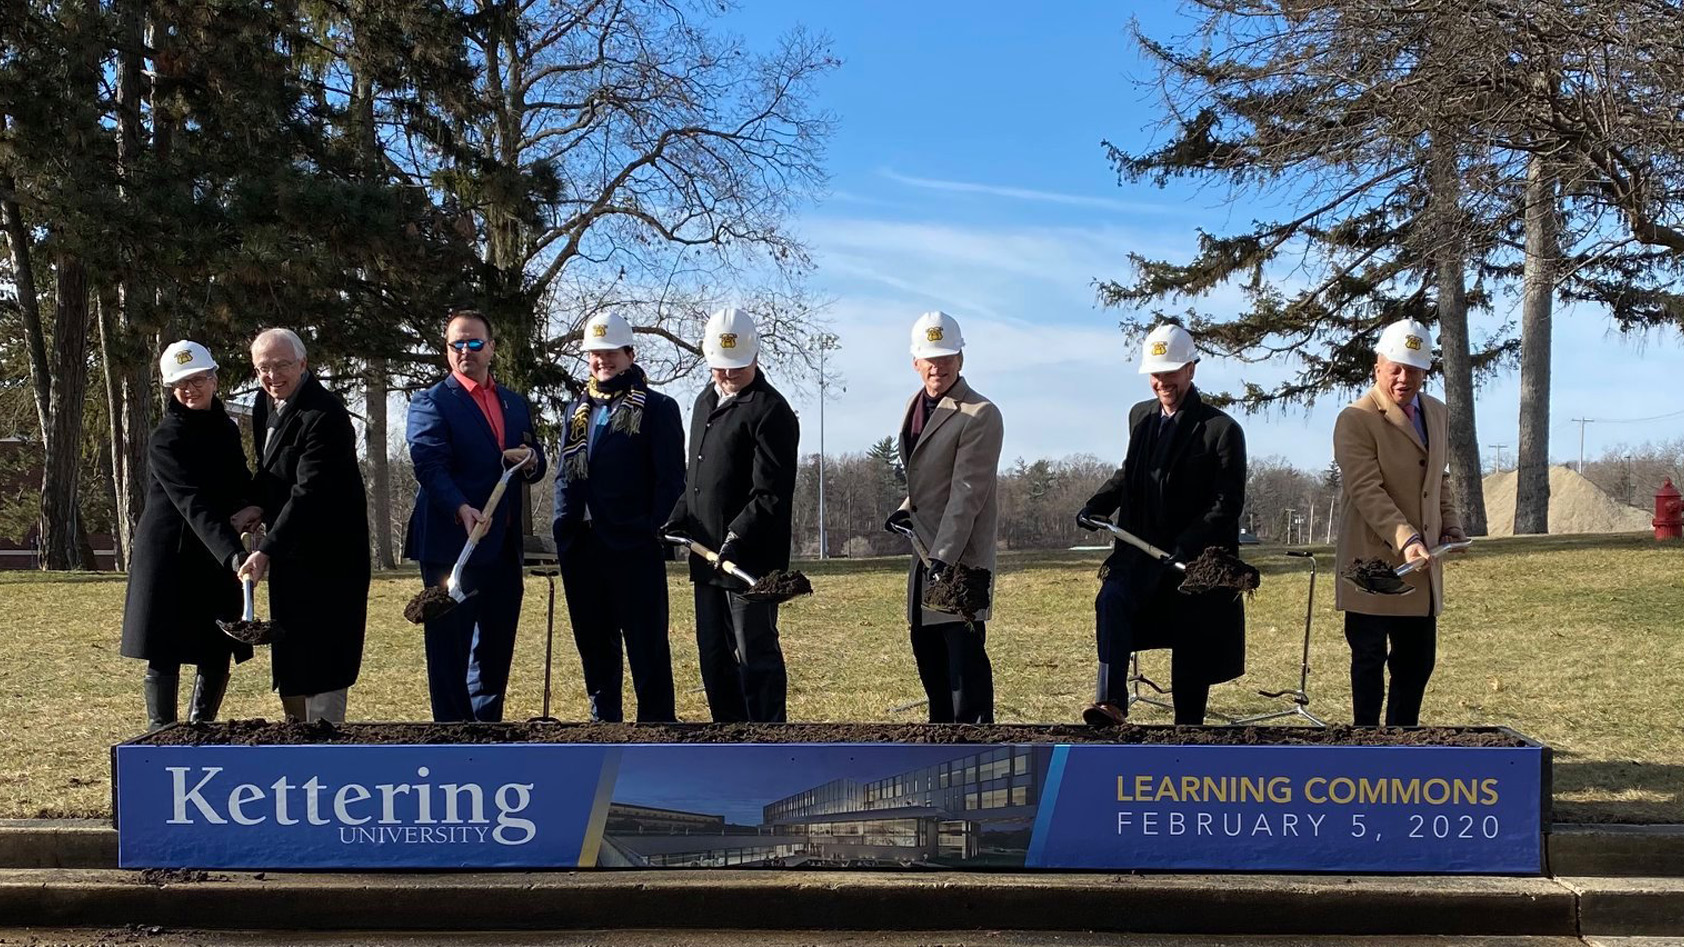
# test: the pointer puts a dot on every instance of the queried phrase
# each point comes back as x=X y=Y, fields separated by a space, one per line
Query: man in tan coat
x=950 y=446
x=1391 y=447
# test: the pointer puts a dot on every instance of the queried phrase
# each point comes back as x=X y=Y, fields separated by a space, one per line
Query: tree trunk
x=21 y=244
x=374 y=409
x=1532 y=484
x=61 y=546
x=1450 y=262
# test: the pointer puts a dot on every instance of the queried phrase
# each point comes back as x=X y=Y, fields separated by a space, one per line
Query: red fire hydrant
x=1669 y=512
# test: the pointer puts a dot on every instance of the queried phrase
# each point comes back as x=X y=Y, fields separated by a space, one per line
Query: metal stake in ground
x=549 y=644
x=777 y=587
x=1377 y=577
x=1300 y=698
x=431 y=603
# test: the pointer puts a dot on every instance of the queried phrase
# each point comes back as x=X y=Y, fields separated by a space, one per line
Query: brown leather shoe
x=1105 y=714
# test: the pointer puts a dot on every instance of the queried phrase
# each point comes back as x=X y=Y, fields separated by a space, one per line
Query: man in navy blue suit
x=621 y=471
x=462 y=433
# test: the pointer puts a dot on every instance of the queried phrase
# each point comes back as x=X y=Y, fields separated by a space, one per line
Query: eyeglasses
x=275 y=368
x=196 y=381
x=471 y=345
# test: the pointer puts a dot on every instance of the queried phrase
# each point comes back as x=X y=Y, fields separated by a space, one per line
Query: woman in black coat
x=181 y=571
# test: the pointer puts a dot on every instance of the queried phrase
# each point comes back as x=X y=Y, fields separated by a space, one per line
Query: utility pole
x=826 y=342
x=1498 y=448
x=1288 y=537
x=1581 y=422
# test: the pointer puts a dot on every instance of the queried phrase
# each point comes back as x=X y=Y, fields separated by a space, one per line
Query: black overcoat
x=1195 y=504
x=740 y=479
x=311 y=490
x=181 y=567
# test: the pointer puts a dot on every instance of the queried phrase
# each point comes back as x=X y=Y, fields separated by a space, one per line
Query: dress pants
x=953 y=665
x=470 y=648
x=1115 y=616
x=616 y=595
x=309 y=708
x=1413 y=651
x=741 y=661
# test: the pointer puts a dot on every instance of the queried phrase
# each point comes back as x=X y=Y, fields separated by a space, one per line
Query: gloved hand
x=937 y=570
x=1087 y=513
x=898 y=520
x=728 y=550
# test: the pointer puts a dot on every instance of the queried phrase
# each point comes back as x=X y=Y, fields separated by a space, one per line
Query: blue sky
x=967 y=175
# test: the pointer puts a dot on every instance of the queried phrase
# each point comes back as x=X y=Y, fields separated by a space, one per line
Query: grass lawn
x=1576 y=641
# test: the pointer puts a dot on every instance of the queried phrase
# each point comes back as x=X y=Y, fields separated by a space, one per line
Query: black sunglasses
x=472 y=345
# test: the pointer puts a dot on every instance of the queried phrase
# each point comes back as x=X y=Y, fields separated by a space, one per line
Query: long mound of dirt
x=264 y=733
x=1576 y=506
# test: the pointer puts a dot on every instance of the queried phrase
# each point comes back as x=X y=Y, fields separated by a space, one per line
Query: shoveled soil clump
x=778 y=586
x=961 y=590
x=256 y=631
x=1217 y=569
x=264 y=733
x=1375 y=575
x=173 y=876
x=428 y=604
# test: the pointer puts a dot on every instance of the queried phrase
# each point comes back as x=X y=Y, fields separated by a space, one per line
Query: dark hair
x=455 y=314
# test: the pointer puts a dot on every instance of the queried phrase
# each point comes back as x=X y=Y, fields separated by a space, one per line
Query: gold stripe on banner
x=599 y=808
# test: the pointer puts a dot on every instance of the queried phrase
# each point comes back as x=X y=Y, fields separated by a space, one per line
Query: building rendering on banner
x=977 y=810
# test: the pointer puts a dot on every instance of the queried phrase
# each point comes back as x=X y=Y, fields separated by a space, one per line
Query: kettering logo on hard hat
x=599 y=331
x=1160 y=348
x=183 y=357
x=932 y=334
x=727 y=340
x=1412 y=343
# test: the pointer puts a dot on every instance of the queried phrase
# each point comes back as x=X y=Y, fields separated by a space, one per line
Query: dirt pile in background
x=1576 y=506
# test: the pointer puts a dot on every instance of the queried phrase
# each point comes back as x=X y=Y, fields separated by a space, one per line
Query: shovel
x=431 y=603
x=966 y=602
x=776 y=587
x=1374 y=577
x=249 y=630
x=1240 y=576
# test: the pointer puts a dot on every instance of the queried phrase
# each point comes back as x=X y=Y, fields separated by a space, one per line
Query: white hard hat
x=730 y=339
x=1408 y=342
x=936 y=334
x=1167 y=348
x=184 y=358
x=606 y=331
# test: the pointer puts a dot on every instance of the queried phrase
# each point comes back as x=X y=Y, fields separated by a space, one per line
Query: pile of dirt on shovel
x=1217 y=569
x=962 y=590
x=779 y=586
x=264 y=733
x=1374 y=575
x=429 y=603
x=256 y=631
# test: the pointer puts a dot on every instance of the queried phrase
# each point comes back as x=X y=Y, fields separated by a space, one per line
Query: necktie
x=1409 y=412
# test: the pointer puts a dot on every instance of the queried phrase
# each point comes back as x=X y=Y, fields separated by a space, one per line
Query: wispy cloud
x=1028 y=194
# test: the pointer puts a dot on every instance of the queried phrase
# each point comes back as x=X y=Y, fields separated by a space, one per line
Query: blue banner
x=1038 y=806
x=1322 y=808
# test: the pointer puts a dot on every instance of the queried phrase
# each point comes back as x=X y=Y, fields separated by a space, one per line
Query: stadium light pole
x=827 y=341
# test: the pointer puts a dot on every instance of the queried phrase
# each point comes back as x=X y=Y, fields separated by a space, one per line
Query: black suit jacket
x=310 y=486
x=741 y=479
x=1194 y=503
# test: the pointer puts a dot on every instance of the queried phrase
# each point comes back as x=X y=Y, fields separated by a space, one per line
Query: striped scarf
x=624 y=394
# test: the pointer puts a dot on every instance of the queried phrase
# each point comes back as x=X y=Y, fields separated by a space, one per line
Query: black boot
x=207 y=696
x=161 y=689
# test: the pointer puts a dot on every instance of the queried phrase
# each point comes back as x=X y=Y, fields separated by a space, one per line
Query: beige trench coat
x=950 y=479
x=1393 y=486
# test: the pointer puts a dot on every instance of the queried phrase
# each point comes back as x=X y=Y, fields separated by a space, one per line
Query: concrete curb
x=1640 y=851
x=1256 y=904
x=1629 y=906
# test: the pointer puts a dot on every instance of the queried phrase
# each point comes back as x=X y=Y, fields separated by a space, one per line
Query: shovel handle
x=1134 y=541
x=1432 y=554
x=917 y=544
x=724 y=565
x=249 y=610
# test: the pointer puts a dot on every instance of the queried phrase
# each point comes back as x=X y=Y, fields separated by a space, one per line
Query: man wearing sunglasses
x=463 y=433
